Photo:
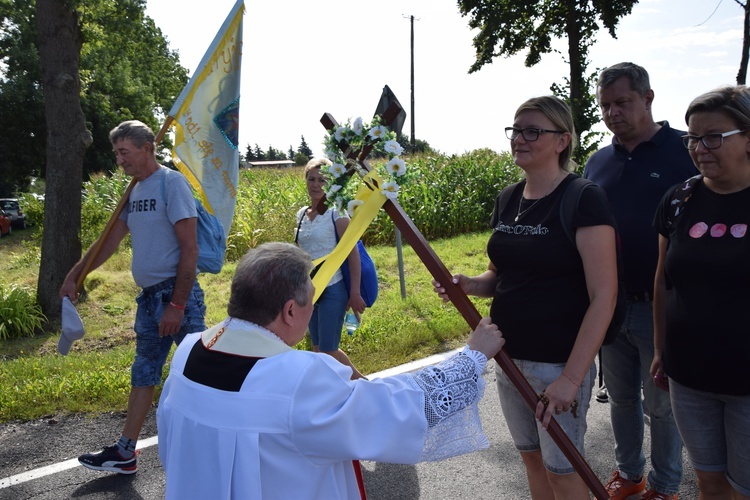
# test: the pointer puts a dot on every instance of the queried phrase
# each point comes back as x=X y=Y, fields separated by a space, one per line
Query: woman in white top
x=316 y=235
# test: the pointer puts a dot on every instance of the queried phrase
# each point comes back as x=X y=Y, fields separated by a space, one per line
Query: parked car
x=12 y=208
x=5 y=224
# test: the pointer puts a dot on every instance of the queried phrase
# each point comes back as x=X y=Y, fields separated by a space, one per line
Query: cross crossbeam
x=467 y=309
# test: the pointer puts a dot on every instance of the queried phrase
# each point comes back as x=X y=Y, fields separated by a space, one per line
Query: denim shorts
x=151 y=351
x=525 y=430
x=328 y=317
x=715 y=429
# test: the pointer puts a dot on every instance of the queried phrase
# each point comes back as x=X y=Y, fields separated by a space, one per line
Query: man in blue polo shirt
x=643 y=161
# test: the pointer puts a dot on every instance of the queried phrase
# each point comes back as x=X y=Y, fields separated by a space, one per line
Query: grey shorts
x=715 y=429
x=526 y=432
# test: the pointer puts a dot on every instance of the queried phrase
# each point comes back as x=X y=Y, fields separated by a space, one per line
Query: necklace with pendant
x=522 y=212
x=520 y=202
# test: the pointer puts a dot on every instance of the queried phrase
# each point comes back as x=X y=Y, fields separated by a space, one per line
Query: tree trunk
x=67 y=139
x=576 y=54
x=742 y=74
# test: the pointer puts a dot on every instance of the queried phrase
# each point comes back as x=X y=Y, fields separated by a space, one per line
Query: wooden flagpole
x=115 y=215
x=438 y=270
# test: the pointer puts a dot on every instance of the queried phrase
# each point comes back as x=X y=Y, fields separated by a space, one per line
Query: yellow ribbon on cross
x=373 y=199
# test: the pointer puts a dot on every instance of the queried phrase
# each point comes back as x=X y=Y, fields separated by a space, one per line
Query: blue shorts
x=715 y=429
x=151 y=351
x=526 y=432
x=328 y=317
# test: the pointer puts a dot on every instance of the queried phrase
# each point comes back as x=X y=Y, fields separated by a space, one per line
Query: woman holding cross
x=552 y=300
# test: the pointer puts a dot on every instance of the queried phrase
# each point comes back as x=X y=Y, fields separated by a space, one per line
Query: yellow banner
x=363 y=215
x=206 y=121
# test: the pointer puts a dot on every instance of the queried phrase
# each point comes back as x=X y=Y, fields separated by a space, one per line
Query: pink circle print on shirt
x=717 y=230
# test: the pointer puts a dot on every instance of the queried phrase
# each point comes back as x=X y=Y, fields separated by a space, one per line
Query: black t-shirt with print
x=541 y=296
x=708 y=267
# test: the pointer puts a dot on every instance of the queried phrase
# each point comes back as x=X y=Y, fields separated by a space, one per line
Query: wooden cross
x=433 y=263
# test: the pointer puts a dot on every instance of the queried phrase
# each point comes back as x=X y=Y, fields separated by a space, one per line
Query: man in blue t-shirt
x=165 y=254
x=643 y=161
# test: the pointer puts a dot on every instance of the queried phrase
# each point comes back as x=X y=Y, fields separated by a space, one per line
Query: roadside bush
x=20 y=315
x=33 y=208
x=101 y=195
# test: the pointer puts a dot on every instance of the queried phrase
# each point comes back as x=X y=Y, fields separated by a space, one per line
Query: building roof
x=270 y=163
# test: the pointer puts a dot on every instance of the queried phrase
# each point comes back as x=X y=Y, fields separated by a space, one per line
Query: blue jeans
x=328 y=317
x=151 y=351
x=716 y=432
x=626 y=365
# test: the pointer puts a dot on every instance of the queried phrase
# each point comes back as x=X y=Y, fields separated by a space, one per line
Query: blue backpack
x=211 y=242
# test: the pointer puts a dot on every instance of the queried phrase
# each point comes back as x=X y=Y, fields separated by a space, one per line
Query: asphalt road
x=37 y=461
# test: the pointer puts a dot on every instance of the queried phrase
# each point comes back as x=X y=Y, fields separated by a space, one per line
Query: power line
x=712 y=14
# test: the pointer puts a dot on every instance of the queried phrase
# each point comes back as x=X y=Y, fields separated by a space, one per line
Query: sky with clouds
x=302 y=59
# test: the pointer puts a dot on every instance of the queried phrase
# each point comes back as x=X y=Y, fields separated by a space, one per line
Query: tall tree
x=290 y=155
x=250 y=155
x=23 y=130
x=126 y=70
x=304 y=148
x=508 y=26
x=67 y=139
x=274 y=154
x=742 y=73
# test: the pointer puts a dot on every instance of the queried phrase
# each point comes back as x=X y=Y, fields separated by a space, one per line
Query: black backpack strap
x=299 y=225
x=569 y=204
x=681 y=195
x=335 y=230
x=504 y=197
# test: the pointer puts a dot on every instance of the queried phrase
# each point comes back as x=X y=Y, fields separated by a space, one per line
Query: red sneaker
x=620 y=488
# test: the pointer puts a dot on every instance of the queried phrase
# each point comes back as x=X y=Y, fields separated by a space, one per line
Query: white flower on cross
x=393 y=147
x=357 y=126
x=390 y=190
x=334 y=189
x=352 y=206
x=339 y=134
x=337 y=170
x=396 y=166
x=376 y=133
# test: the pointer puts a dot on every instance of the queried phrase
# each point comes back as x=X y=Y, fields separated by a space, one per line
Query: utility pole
x=399 y=251
x=412 y=140
x=412 y=85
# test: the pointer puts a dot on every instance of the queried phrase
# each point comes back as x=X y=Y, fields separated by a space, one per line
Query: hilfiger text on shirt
x=143 y=205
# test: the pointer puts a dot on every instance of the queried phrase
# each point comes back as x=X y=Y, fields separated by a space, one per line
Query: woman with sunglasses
x=701 y=292
x=552 y=300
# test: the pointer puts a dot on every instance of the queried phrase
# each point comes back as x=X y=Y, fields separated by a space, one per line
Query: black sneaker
x=602 y=395
x=109 y=459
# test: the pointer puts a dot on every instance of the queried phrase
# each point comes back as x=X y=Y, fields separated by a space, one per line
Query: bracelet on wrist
x=181 y=308
x=571 y=380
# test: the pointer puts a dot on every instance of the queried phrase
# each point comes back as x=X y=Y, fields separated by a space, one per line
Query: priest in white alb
x=243 y=415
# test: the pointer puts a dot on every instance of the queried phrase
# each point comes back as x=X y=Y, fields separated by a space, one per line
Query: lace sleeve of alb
x=452 y=390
